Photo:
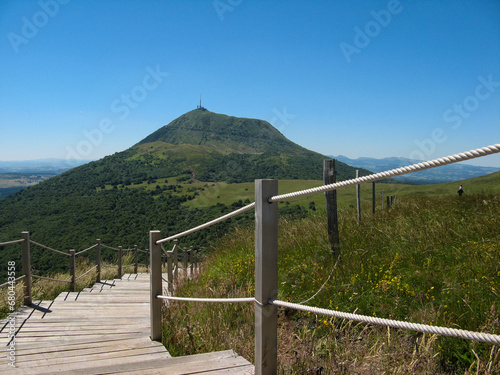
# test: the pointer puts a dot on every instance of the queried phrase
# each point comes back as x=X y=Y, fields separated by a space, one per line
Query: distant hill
x=447 y=173
x=54 y=166
x=18 y=175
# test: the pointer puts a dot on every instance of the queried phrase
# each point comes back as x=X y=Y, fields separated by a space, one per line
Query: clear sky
x=85 y=79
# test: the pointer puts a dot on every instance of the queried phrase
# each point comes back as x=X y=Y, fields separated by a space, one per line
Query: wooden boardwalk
x=101 y=330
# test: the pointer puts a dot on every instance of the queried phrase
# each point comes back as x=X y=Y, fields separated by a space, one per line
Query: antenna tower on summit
x=200 y=107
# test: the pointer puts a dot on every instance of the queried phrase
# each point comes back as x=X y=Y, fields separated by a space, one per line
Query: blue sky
x=85 y=79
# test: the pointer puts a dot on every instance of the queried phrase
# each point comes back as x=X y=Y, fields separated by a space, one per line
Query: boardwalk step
x=226 y=362
x=101 y=330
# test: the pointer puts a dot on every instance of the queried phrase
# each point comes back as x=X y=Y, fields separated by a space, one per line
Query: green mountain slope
x=216 y=147
x=223 y=133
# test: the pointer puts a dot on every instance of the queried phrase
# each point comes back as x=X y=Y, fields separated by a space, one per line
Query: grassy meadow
x=429 y=259
x=210 y=193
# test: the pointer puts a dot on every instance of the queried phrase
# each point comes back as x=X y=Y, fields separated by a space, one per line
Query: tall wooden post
x=176 y=259
x=25 y=246
x=185 y=260
x=119 y=262
x=382 y=201
x=170 y=276
x=330 y=177
x=266 y=277
x=373 y=198
x=191 y=252
x=98 y=260
x=155 y=283
x=136 y=257
x=72 y=270
x=358 y=197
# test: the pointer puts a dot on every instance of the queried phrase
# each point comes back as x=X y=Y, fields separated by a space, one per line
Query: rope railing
x=443 y=331
x=467 y=155
x=90 y=270
x=109 y=247
x=209 y=223
x=49 y=248
x=209 y=300
x=82 y=251
x=51 y=279
x=11 y=242
x=13 y=281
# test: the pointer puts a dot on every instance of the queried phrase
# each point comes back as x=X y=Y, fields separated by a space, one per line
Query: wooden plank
x=107 y=355
x=213 y=363
x=92 y=347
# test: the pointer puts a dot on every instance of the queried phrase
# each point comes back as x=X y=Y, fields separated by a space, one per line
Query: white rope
x=49 y=248
x=48 y=278
x=493 y=149
x=208 y=224
x=90 y=248
x=322 y=286
x=476 y=336
x=216 y=300
x=10 y=282
x=79 y=277
x=109 y=247
x=11 y=242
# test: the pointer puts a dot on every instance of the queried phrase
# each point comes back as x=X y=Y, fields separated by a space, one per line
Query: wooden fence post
x=266 y=277
x=155 y=283
x=136 y=257
x=330 y=177
x=119 y=262
x=373 y=198
x=175 y=258
x=185 y=260
x=25 y=246
x=170 y=276
x=382 y=201
x=72 y=270
x=191 y=252
x=358 y=197
x=98 y=260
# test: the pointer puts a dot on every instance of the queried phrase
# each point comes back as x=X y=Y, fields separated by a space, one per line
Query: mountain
x=217 y=147
x=447 y=173
x=120 y=197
